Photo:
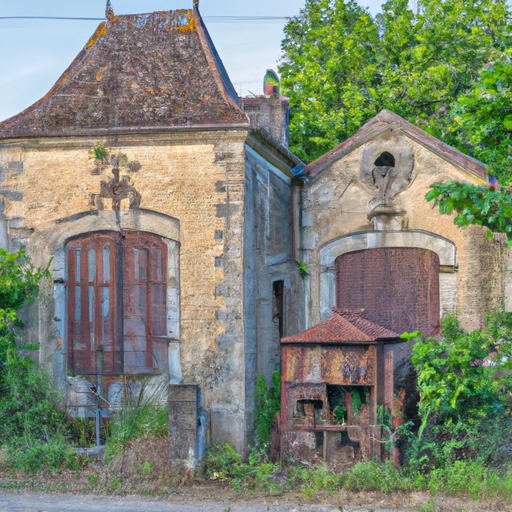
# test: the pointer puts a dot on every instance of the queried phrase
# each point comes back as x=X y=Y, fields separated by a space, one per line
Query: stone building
x=371 y=240
x=174 y=253
x=174 y=246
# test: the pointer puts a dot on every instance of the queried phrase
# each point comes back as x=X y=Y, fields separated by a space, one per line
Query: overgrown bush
x=464 y=477
x=34 y=427
x=465 y=385
x=267 y=403
x=224 y=463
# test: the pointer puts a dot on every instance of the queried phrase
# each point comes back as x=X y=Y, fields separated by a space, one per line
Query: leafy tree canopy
x=340 y=66
x=447 y=68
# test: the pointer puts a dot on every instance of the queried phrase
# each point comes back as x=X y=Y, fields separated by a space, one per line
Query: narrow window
x=278 y=306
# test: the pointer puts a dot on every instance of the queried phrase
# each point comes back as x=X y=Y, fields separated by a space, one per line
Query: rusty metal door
x=398 y=287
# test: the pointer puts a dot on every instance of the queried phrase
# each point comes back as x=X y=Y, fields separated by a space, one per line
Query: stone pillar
x=183 y=419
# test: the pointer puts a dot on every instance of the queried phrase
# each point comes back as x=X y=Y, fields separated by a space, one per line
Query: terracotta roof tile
x=344 y=326
x=138 y=72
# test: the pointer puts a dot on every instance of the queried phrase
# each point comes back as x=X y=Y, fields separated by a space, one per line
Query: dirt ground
x=127 y=483
x=51 y=496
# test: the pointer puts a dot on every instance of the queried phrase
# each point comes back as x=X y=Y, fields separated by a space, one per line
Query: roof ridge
x=347 y=311
x=345 y=326
x=370 y=129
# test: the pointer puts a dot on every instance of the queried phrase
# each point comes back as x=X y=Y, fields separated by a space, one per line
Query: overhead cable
x=213 y=19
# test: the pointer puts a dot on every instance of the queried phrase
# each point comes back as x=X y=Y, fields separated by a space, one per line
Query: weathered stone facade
x=230 y=204
x=337 y=218
x=218 y=196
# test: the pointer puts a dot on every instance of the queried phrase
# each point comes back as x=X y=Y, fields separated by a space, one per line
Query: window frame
x=113 y=354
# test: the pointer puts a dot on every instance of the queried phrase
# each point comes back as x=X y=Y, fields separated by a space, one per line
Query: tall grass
x=141 y=413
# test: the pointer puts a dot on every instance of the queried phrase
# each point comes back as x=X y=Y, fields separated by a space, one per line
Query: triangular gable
x=384 y=121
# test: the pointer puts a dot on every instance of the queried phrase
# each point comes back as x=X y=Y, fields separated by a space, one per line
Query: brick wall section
x=270 y=113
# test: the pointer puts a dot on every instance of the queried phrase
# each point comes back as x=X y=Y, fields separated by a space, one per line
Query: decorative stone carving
x=386 y=170
x=117 y=189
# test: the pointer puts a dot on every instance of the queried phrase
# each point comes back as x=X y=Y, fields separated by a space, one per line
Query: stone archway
x=51 y=242
x=444 y=248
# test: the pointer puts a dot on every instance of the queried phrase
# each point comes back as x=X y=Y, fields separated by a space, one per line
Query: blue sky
x=34 y=53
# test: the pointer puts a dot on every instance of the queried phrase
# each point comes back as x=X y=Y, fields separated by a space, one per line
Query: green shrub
x=267 y=403
x=32 y=454
x=225 y=463
x=465 y=384
x=34 y=426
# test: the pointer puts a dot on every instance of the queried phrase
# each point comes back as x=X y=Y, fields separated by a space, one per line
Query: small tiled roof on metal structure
x=344 y=327
x=386 y=120
x=137 y=73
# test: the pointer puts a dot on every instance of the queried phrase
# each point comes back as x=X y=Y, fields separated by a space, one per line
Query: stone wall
x=268 y=260
x=195 y=183
x=335 y=205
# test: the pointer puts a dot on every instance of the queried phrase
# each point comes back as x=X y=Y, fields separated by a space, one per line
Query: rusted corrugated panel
x=397 y=287
x=347 y=366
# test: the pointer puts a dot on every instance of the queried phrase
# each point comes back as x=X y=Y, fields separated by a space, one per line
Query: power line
x=218 y=19
x=48 y=18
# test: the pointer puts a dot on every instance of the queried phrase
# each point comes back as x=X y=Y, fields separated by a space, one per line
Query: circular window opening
x=385 y=160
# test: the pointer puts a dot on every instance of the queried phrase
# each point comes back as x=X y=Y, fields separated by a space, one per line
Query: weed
x=93 y=479
x=308 y=493
x=115 y=483
x=303 y=269
x=429 y=506
x=146 y=468
x=139 y=415
x=267 y=403
x=99 y=152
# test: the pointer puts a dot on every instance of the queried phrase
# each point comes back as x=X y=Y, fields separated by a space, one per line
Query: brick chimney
x=270 y=111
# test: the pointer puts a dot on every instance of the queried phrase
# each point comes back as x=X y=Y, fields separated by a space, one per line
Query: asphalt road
x=53 y=502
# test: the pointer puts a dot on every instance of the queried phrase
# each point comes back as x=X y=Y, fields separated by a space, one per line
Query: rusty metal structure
x=398 y=287
x=338 y=401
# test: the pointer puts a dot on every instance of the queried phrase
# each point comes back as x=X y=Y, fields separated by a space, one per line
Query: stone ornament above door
x=385 y=170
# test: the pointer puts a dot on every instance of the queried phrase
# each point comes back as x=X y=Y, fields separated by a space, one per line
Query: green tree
x=481 y=125
x=340 y=66
x=330 y=63
x=481 y=119
x=446 y=68
x=475 y=205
